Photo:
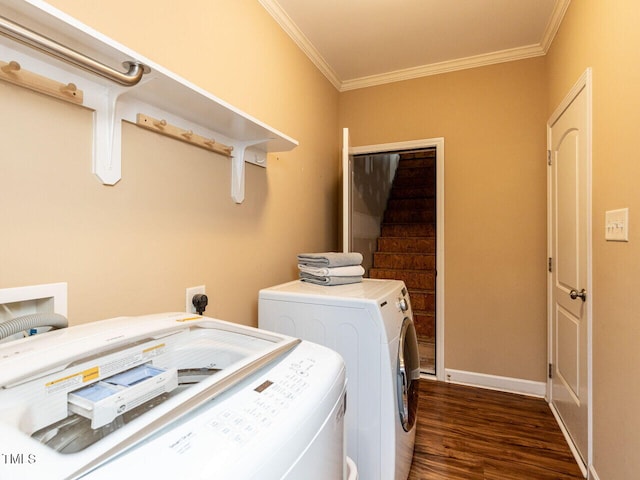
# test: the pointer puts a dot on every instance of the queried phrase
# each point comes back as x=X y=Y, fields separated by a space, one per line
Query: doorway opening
x=395 y=222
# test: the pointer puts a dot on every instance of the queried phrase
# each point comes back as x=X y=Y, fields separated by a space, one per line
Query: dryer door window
x=408 y=374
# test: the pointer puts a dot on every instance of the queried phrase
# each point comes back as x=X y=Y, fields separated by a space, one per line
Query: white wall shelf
x=160 y=94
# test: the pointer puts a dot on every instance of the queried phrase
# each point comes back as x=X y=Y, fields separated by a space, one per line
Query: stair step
x=418 y=162
x=405 y=261
x=412 y=204
x=420 y=279
x=407 y=244
x=409 y=191
x=425 y=153
x=425 y=325
x=407 y=216
x=411 y=176
x=423 y=300
x=408 y=230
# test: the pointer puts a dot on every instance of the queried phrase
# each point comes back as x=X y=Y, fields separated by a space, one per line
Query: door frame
x=438 y=143
x=584 y=82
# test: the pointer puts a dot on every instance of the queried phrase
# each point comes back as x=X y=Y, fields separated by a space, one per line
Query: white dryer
x=370 y=324
x=170 y=396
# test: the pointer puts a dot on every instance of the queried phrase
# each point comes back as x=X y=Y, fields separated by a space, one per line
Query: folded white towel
x=349 y=271
x=329 y=281
x=330 y=259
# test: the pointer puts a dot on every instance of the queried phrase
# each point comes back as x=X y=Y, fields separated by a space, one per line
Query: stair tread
x=412 y=271
x=427 y=223
x=430 y=222
x=405 y=269
x=387 y=253
x=388 y=223
x=406 y=254
x=409 y=240
x=409 y=237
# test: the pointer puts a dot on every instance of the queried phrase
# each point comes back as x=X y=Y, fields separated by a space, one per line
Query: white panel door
x=569 y=144
x=347 y=173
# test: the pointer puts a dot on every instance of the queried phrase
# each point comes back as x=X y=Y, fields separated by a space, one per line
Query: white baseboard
x=569 y=440
x=494 y=382
x=592 y=473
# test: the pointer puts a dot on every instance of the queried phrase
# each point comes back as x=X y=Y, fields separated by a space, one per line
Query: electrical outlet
x=191 y=291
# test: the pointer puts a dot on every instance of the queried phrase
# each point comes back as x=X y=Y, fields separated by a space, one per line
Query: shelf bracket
x=238 y=169
x=107 y=137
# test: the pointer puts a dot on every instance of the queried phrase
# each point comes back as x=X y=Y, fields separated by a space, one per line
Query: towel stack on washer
x=331 y=268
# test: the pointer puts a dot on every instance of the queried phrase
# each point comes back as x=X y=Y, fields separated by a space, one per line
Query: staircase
x=406 y=248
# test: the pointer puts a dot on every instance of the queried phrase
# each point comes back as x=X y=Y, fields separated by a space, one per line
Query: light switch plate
x=617 y=225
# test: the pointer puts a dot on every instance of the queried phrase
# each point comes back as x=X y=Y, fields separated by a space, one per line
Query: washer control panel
x=258 y=409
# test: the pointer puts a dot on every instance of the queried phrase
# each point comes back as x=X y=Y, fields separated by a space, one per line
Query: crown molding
x=300 y=39
x=509 y=55
x=444 y=67
x=553 y=26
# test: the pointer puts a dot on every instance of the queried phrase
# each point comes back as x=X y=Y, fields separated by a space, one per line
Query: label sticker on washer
x=72 y=380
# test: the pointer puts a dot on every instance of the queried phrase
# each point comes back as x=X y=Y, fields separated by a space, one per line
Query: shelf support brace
x=237 y=169
x=107 y=138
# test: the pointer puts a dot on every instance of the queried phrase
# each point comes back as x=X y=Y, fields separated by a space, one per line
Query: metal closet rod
x=50 y=47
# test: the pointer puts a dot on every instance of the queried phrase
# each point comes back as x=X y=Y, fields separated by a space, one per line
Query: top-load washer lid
x=72 y=399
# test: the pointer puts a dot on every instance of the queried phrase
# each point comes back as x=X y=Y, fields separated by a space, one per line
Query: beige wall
x=170 y=223
x=493 y=122
x=605 y=36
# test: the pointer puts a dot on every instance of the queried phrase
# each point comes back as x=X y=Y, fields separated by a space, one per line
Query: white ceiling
x=359 y=43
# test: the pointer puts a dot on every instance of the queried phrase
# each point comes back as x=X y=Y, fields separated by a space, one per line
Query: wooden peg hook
x=11 y=67
x=69 y=89
x=164 y=128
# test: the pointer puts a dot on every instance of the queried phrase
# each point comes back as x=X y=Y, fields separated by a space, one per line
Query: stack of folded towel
x=330 y=268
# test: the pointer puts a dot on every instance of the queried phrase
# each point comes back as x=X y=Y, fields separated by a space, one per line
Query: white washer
x=370 y=324
x=171 y=396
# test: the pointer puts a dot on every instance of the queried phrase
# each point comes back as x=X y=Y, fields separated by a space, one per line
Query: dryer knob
x=402 y=304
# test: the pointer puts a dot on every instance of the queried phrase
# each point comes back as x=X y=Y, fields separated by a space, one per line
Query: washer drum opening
x=408 y=374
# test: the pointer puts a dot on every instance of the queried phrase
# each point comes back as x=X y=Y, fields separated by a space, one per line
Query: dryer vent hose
x=26 y=322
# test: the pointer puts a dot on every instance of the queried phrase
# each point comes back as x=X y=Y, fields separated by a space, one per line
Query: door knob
x=582 y=294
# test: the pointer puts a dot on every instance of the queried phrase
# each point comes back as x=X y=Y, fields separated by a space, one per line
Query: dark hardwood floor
x=471 y=433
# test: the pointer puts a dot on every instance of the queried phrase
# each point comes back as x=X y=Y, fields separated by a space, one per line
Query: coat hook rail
x=16 y=32
x=164 y=128
x=12 y=72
